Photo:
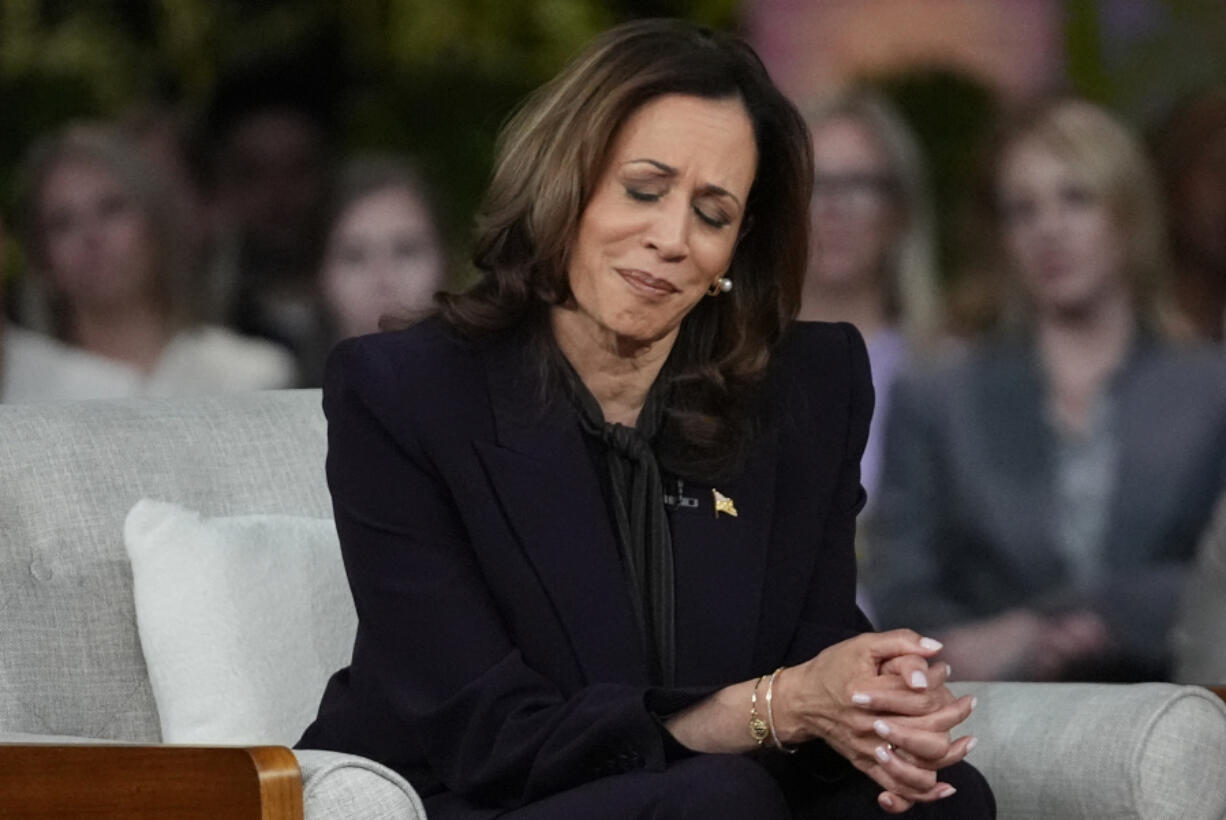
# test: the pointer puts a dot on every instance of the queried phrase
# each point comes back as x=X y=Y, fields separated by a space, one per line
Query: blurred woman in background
x=108 y=282
x=872 y=258
x=1042 y=494
x=383 y=252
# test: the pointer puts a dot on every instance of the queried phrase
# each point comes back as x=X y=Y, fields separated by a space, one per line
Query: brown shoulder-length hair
x=550 y=156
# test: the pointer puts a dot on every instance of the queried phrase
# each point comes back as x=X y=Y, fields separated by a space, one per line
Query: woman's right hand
x=864 y=698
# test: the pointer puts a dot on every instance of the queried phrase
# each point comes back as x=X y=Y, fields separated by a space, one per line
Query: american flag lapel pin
x=723 y=504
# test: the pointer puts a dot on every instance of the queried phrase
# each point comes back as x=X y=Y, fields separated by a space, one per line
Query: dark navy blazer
x=497 y=658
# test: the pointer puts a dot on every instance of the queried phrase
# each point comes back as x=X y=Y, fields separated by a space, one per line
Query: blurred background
x=434 y=79
x=205 y=195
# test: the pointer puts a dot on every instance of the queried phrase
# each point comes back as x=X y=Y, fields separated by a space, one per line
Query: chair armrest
x=183 y=782
x=1085 y=751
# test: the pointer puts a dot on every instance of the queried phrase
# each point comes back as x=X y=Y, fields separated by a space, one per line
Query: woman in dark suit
x=1042 y=491
x=597 y=515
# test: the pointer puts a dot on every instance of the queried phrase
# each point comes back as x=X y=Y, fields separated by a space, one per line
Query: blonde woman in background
x=107 y=287
x=1043 y=492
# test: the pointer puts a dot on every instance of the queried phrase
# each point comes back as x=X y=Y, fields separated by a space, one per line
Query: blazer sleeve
x=829 y=613
x=437 y=688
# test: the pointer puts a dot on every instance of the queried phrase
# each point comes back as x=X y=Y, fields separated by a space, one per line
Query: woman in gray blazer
x=1042 y=491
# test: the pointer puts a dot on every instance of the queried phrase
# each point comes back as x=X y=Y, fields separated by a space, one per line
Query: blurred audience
x=383 y=254
x=106 y=284
x=1198 y=640
x=1042 y=492
x=1190 y=148
x=269 y=129
x=872 y=258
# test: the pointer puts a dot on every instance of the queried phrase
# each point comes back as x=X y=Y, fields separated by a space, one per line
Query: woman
x=589 y=509
x=383 y=256
x=100 y=234
x=872 y=253
x=383 y=251
x=1042 y=494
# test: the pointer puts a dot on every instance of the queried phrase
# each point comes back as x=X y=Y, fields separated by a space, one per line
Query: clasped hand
x=880 y=700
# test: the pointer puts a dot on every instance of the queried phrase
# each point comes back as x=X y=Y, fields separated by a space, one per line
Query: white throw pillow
x=242 y=620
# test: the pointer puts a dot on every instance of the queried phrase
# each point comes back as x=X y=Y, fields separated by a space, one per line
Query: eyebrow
x=672 y=172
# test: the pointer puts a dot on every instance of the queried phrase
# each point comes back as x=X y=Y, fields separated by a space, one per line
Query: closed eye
x=640 y=195
x=715 y=221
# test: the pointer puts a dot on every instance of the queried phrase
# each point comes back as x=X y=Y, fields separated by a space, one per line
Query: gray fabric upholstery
x=70 y=661
x=1149 y=751
x=341 y=787
x=71 y=668
x=56 y=740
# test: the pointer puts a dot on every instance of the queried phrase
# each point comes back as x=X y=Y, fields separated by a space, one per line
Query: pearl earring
x=720 y=285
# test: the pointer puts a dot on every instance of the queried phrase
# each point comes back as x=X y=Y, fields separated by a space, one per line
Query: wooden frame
x=147 y=782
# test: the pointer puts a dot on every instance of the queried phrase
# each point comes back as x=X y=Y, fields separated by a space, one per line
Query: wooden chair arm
x=1220 y=691
x=147 y=782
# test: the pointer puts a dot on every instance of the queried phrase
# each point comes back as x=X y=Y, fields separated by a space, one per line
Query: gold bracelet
x=770 y=715
x=759 y=730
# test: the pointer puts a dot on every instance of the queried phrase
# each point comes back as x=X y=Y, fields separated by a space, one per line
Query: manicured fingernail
x=881 y=728
x=974 y=703
x=948 y=791
x=972 y=743
x=861 y=699
x=949 y=671
x=883 y=754
x=919 y=680
x=885 y=800
x=931 y=643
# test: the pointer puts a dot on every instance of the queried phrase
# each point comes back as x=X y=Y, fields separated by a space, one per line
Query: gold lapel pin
x=723 y=504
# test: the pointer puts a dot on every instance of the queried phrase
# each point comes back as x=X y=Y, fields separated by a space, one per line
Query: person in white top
x=106 y=286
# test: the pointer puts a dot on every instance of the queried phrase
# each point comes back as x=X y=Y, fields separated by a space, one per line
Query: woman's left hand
x=914 y=732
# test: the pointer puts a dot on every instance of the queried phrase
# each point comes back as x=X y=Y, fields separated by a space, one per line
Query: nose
x=1050 y=220
x=669 y=231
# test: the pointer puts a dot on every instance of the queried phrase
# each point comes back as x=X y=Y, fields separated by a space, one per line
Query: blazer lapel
x=722 y=560
x=547 y=484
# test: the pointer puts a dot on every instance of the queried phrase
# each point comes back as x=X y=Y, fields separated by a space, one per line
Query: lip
x=1054 y=267
x=646 y=284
